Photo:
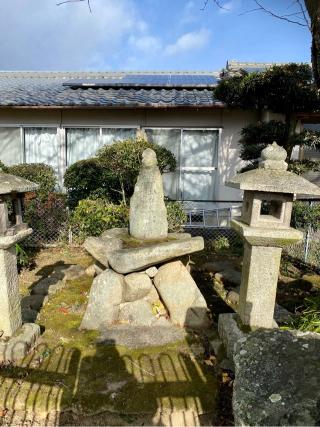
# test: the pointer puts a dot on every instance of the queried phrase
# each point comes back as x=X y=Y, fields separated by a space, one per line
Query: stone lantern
x=12 y=230
x=269 y=192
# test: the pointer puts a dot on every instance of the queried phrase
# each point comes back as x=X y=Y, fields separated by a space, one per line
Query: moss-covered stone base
x=72 y=379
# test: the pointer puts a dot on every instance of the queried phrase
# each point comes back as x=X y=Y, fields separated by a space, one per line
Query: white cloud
x=192 y=41
x=38 y=34
x=146 y=44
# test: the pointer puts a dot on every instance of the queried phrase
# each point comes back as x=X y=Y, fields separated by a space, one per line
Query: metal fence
x=51 y=228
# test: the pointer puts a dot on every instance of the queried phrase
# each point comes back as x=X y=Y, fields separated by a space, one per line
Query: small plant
x=23 y=259
x=221 y=245
x=309 y=319
x=176 y=216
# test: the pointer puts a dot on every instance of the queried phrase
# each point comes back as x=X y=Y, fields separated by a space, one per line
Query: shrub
x=122 y=161
x=176 y=216
x=92 y=217
x=113 y=173
x=83 y=179
x=46 y=216
x=36 y=172
x=305 y=215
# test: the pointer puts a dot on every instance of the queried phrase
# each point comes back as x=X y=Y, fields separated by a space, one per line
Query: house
x=61 y=117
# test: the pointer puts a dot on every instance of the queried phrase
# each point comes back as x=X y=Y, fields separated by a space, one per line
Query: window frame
x=181 y=168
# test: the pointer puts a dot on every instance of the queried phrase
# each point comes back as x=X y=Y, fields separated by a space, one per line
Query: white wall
x=229 y=121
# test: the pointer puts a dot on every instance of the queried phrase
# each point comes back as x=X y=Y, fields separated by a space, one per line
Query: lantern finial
x=273 y=157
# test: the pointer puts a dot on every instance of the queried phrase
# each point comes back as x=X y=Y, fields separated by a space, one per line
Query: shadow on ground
x=73 y=379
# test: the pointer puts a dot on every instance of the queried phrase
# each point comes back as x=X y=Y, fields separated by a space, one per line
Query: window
x=83 y=143
x=41 y=146
x=196 y=152
x=110 y=135
x=11 y=146
x=170 y=139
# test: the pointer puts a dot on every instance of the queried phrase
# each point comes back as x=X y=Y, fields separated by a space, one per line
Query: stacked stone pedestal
x=135 y=290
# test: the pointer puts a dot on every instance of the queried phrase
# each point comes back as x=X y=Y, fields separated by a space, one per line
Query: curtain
x=41 y=146
x=199 y=154
x=200 y=148
x=110 y=135
x=82 y=143
x=171 y=140
x=10 y=146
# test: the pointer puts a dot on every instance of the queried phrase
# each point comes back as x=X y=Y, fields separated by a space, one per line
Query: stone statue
x=148 y=213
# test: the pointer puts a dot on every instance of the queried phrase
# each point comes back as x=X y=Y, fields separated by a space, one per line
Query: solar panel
x=147 y=80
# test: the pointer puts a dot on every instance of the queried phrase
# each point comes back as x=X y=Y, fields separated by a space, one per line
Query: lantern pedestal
x=10 y=307
x=261 y=262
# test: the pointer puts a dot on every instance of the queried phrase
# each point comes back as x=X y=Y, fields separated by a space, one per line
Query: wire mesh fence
x=51 y=227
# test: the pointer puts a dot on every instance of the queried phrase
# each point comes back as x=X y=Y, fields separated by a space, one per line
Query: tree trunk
x=313 y=8
x=291 y=123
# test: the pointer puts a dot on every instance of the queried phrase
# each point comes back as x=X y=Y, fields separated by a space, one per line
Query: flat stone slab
x=138 y=337
x=138 y=258
x=19 y=345
x=277 y=379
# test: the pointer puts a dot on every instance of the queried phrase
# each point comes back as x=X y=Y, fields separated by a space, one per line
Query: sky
x=145 y=35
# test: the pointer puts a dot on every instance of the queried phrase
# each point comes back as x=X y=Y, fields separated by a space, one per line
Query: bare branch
x=216 y=2
x=275 y=15
x=304 y=14
x=75 y=1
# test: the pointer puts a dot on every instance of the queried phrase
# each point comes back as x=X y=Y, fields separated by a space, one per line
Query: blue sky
x=145 y=35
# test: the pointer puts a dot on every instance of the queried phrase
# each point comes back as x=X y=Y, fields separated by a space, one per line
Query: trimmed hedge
x=113 y=173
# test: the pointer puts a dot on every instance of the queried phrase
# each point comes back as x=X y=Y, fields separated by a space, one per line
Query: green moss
x=69 y=369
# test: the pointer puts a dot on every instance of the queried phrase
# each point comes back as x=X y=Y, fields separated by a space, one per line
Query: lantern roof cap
x=272 y=176
x=15 y=184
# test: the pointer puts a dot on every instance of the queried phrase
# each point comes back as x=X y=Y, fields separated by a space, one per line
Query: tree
x=112 y=174
x=313 y=8
x=286 y=89
x=306 y=13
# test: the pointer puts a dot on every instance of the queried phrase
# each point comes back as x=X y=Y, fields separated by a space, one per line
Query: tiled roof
x=46 y=89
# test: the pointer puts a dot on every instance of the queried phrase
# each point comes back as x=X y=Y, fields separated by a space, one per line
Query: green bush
x=36 y=172
x=46 y=216
x=92 y=217
x=176 y=216
x=84 y=179
x=113 y=173
x=305 y=215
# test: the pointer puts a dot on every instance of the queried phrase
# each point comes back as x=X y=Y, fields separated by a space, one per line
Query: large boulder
x=277 y=380
x=99 y=248
x=106 y=295
x=137 y=313
x=181 y=296
x=139 y=258
x=137 y=285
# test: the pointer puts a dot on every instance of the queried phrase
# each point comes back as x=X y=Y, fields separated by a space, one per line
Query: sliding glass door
x=196 y=152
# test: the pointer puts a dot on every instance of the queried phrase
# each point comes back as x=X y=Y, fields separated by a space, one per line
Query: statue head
x=149 y=158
